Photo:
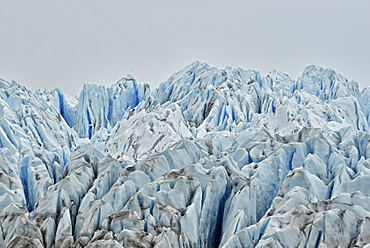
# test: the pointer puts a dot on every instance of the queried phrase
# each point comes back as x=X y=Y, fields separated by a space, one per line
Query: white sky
x=65 y=44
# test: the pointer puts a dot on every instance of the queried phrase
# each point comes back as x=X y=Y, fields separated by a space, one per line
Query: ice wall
x=212 y=158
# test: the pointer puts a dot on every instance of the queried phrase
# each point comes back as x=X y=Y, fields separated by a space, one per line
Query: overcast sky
x=65 y=44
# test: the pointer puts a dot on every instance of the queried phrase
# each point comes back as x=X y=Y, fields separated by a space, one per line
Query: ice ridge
x=211 y=158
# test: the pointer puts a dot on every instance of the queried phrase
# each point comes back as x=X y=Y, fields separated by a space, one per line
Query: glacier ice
x=211 y=158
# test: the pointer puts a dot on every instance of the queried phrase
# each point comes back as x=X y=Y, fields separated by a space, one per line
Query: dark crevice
x=220 y=216
x=24 y=177
x=89 y=124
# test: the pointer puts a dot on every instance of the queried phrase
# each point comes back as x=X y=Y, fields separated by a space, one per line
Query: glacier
x=211 y=158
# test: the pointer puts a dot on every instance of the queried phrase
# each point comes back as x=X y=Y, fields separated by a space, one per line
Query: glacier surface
x=212 y=158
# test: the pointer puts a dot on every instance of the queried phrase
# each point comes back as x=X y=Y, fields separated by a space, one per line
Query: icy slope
x=212 y=158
